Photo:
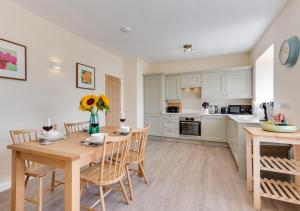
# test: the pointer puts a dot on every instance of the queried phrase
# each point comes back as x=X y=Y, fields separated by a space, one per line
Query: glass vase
x=94 y=123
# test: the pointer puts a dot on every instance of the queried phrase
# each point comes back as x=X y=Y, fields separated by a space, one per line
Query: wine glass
x=122 y=119
x=48 y=125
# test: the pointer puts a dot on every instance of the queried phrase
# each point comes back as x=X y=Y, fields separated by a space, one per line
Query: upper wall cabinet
x=227 y=84
x=239 y=83
x=213 y=85
x=173 y=88
x=190 y=81
x=153 y=94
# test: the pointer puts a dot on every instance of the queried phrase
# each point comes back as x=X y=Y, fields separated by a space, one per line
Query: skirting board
x=5 y=186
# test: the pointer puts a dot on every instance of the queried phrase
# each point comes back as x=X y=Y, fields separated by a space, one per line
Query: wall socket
x=285 y=106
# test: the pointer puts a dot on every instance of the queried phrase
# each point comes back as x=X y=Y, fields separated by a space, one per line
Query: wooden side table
x=270 y=188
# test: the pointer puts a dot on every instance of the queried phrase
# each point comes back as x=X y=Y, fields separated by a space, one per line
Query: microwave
x=172 y=109
x=240 y=109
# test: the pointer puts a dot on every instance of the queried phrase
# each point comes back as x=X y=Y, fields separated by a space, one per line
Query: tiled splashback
x=192 y=101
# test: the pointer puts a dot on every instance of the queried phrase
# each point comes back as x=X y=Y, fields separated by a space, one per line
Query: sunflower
x=105 y=100
x=103 y=103
x=89 y=101
x=81 y=107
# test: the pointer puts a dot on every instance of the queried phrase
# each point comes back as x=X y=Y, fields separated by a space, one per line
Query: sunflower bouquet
x=94 y=104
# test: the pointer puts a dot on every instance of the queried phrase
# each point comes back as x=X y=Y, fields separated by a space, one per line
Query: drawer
x=169 y=132
x=171 y=117
x=170 y=121
x=170 y=125
x=173 y=130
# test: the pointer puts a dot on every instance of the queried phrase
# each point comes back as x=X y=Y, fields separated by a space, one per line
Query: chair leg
x=40 y=197
x=82 y=184
x=26 y=180
x=102 y=198
x=53 y=181
x=124 y=192
x=129 y=183
x=143 y=172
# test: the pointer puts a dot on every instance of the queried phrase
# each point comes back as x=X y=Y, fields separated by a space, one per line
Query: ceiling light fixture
x=187 y=48
x=125 y=29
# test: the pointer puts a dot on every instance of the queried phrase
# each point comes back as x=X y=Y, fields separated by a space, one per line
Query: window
x=264 y=76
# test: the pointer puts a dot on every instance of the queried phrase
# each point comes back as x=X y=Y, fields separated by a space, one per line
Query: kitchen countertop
x=242 y=119
x=195 y=113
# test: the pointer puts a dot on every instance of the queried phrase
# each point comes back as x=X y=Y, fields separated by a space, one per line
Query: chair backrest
x=138 y=144
x=20 y=136
x=110 y=168
x=75 y=127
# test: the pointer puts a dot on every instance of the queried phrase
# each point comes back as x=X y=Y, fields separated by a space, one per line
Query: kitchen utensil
x=213 y=109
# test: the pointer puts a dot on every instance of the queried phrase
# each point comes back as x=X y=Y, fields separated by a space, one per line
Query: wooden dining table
x=68 y=154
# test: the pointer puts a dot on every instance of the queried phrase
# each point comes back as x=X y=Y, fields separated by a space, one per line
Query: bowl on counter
x=278 y=128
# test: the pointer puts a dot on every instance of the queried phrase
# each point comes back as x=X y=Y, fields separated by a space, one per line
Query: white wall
x=286 y=80
x=202 y=64
x=134 y=91
x=46 y=93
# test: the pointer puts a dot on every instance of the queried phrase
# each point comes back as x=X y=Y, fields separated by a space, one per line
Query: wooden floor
x=183 y=177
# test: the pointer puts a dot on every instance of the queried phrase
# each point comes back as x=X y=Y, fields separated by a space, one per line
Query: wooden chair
x=75 y=127
x=32 y=169
x=108 y=171
x=136 y=154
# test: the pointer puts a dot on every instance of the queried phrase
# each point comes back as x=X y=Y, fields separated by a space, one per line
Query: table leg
x=297 y=158
x=249 y=162
x=72 y=185
x=140 y=172
x=256 y=174
x=17 y=182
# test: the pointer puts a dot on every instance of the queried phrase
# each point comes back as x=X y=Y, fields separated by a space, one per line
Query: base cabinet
x=214 y=128
x=170 y=126
x=156 y=124
x=232 y=138
x=237 y=143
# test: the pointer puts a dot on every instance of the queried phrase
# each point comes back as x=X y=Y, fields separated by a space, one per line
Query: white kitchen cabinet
x=170 y=126
x=213 y=128
x=153 y=94
x=237 y=142
x=231 y=136
x=213 y=85
x=172 y=88
x=190 y=81
x=155 y=124
x=239 y=83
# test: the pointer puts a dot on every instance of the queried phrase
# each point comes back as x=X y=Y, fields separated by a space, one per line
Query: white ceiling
x=160 y=27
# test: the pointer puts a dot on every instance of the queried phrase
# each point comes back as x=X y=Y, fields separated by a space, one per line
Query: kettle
x=205 y=106
x=213 y=109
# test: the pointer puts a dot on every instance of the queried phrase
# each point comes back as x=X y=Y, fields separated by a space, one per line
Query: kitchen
x=204 y=107
x=164 y=105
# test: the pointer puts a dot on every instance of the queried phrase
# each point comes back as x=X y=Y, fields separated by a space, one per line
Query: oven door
x=190 y=128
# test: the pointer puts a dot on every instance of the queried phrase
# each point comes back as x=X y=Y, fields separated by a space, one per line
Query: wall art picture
x=85 y=76
x=13 y=60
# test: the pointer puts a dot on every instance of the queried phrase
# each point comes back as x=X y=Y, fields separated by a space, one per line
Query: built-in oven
x=190 y=126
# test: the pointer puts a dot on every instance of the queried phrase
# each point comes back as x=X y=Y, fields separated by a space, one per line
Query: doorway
x=113 y=93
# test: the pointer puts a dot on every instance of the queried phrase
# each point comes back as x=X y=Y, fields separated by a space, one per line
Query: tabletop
x=257 y=131
x=69 y=148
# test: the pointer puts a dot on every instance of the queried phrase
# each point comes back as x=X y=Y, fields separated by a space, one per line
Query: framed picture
x=13 y=64
x=85 y=76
